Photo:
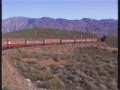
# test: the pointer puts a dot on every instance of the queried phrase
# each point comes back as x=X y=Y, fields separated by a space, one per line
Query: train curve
x=17 y=43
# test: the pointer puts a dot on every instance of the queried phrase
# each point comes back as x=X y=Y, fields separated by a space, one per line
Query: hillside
x=97 y=27
x=61 y=67
x=46 y=33
x=56 y=34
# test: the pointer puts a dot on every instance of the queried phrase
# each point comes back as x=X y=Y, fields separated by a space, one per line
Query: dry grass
x=87 y=66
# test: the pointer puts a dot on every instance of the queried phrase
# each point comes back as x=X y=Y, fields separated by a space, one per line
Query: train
x=15 y=43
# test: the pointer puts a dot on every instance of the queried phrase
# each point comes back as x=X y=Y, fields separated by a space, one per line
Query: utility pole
x=35 y=34
x=52 y=36
x=75 y=37
x=75 y=33
x=81 y=36
x=69 y=32
x=106 y=32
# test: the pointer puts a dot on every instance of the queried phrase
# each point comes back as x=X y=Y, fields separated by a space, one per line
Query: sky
x=68 y=9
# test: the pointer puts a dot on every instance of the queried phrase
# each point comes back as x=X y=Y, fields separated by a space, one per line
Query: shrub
x=56 y=58
x=54 y=84
x=19 y=50
x=102 y=72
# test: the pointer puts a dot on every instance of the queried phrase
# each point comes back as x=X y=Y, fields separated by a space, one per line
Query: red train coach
x=80 y=40
x=12 y=43
x=34 y=42
x=15 y=41
x=4 y=42
x=91 y=40
x=51 y=41
x=95 y=40
x=67 y=41
x=88 y=40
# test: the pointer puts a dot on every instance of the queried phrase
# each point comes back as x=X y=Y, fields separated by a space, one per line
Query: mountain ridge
x=89 y=25
x=59 y=18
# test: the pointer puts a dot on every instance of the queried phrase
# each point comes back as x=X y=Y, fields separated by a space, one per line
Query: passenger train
x=14 y=43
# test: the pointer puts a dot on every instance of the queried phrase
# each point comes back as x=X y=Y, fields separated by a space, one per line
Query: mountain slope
x=98 y=27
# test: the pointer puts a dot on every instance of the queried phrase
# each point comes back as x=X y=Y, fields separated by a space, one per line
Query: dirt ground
x=60 y=67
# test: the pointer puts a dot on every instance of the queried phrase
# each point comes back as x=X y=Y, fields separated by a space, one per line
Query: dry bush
x=102 y=71
x=56 y=57
x=54 y=84
x=97 y=66
x=33 y=71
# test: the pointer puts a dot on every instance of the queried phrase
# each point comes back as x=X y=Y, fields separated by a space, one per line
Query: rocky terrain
x=60 y=67
x=98 y=27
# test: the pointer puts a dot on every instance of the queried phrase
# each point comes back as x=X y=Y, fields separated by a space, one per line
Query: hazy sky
x=69 y=9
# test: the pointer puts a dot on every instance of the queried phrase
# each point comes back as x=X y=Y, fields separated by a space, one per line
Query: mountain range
x=98 y=27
